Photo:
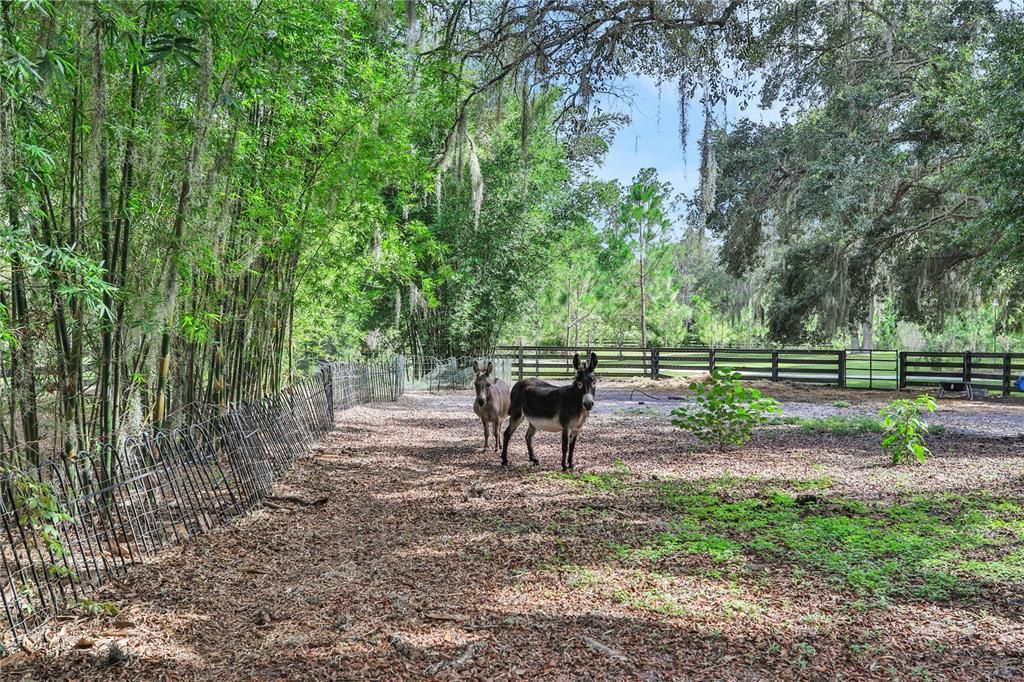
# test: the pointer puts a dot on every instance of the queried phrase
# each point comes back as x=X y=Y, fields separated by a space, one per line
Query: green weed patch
x=605 y=481
x=843 y=425
x=934 y=547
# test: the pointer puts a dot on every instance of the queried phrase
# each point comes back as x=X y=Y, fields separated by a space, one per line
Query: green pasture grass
x=840 y=425
x=883 y=384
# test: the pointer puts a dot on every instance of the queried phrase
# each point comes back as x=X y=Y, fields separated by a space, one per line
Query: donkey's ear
x=576 y=361
x=593 y=359
x=476 y=366
x=490 y=368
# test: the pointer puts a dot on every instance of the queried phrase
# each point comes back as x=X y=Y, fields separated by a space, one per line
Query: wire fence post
x=1006 y=374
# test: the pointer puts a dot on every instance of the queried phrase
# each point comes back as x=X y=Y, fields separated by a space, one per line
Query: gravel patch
x=991 y=417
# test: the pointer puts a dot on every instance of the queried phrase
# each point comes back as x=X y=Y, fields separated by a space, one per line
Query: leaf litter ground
x=400 y=550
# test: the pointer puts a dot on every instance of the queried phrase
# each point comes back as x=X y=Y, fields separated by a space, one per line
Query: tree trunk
x=643 y=302
x=23 y=383
x=204 y=112
x=66 y=379
x=119 y=267
x=867 y=336
x=103 y=395
x=160 y=411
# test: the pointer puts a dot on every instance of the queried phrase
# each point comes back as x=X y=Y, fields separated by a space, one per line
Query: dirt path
x=426 y=560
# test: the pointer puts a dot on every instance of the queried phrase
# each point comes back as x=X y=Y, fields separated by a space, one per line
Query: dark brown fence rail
x=65 y=527
x=996 y=372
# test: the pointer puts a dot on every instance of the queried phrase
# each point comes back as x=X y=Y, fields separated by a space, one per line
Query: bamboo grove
x=204 y=199
x=171 y=173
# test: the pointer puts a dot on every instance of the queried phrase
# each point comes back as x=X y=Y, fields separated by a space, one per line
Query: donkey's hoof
x=535 y=462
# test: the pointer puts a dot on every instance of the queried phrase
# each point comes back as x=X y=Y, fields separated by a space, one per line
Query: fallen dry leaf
x=396 y=575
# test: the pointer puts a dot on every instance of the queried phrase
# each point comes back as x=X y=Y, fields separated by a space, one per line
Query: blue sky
x=652 y=137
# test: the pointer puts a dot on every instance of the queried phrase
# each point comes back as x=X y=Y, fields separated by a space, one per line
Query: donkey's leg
x=572 y=448
x=487 y=432
x=513 y=424
x=529 y=444
x=565 y=449
x=497 y=438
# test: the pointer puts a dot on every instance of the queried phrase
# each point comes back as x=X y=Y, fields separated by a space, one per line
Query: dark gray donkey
x=553 y=408
x=492 y=401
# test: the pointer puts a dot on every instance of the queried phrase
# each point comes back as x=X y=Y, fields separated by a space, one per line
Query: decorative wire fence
x=427 y=373
x=65 y=527
x=383 y=380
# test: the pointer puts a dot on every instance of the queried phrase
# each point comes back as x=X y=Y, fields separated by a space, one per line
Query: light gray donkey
x=492 y=402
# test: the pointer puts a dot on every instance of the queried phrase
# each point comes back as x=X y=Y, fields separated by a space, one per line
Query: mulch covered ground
x=400 y=550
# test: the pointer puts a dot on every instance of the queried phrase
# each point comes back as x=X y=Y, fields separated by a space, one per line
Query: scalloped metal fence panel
x=159 y=488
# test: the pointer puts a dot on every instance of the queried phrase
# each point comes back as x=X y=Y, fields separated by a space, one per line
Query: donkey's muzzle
x=480 y=402
x=589 y=404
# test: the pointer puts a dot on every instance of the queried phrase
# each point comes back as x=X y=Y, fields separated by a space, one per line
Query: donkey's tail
x=515 y=407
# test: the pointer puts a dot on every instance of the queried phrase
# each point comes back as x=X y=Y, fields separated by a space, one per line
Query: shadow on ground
x=429 y=560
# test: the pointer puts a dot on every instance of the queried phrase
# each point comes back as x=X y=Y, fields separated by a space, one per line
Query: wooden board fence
x=885 y=369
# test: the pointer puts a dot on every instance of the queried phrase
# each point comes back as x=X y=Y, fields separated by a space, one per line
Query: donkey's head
x=484 y=380
x=585 y=382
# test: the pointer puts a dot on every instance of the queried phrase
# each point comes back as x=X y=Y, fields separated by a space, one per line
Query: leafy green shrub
x=905 y=428
x=41 y=513
x=726 y=411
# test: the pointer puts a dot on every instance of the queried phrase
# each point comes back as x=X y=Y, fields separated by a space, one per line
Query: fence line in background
x=886 y=369
x=159 y=489
x=427 y=373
